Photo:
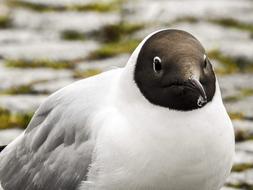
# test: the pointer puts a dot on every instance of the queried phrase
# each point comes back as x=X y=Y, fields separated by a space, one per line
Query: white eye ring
x=157 y=60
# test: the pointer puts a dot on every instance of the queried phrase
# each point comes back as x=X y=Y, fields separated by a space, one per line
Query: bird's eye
x=157 y=64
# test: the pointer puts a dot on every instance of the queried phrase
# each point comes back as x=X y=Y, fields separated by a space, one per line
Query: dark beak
x=198 y=86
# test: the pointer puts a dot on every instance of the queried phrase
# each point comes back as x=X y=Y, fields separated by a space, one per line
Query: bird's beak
x=198 y=86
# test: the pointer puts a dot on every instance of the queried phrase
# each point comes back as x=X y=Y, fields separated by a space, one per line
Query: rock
x=243 y=157
x=60 y=21
x=11 y=36
x=167 y=11
x=8 y=135
x=220 y=35
x=4 y=10
x=238 y=49
x=52 y=50
x=243 y=106
x=104 y=64
x=241 y=178
x=232 y=84
x=248 y=19
x=21 y=103
x=246 y=146
x=13 y=77
x=52 y=86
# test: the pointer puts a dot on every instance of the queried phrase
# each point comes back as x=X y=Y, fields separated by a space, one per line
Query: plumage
x=102 y=133
x=56 y=149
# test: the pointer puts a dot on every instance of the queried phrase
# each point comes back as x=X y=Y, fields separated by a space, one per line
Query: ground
x=45 y=45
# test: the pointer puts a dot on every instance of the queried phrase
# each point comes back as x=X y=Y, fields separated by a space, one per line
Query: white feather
x=141 y=146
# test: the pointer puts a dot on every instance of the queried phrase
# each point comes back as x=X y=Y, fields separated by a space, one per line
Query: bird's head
x=172 y=70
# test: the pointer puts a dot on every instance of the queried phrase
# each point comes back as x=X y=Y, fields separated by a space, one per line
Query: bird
x=158 y=123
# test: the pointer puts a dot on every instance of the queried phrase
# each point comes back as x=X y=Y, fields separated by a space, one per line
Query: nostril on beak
x=198 y=86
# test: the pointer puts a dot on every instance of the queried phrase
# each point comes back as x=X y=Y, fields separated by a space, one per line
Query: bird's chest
x=171 y=156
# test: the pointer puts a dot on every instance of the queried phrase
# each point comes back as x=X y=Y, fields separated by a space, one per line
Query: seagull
x=159 y=123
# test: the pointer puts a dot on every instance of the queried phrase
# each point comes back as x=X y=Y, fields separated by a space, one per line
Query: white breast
x=142 y=146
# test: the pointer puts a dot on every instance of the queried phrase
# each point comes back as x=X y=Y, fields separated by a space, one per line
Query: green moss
x=112 y=49
x=39 y=63
x=189 y=19
x=232 y=23
x=23 y=89
x=240 y=186
x=236 y=115
x=242 y=167
x=11 y=120
x=239 y=116
x=95 y=6
x=5 y=21
x=232 y=98
x=33 y=6
x=86 y=73
x=231 y=65
x=99 y=7
x=72 y=35
x=116 y=40
x=241 y=135
x=116 y=32
x=247 y=92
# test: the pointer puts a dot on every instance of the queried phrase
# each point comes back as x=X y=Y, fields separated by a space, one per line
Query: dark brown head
x=173 y=71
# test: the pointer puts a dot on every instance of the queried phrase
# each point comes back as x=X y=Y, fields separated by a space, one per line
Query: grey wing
x=53 y=153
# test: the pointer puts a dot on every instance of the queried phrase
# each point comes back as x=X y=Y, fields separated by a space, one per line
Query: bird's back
x=56 y=149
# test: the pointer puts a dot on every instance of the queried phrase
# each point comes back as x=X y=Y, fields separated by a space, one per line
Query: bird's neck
x=130 y=100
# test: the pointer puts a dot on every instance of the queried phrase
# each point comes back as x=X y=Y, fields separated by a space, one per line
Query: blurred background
x=46 y=45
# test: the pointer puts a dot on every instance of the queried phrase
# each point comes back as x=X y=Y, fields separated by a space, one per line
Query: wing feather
x=56 y=150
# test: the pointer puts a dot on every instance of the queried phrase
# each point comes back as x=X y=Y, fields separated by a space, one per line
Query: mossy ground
x=240 y=186
x=242 y=135
x=94 y=6
x=232 y=23
x=236 y=115
x=39 y=63
x=225 y=22
x=72 y=35
x=247 y=92
x=187 y=19
x=23 y=89
x=231 y=64
x=5 y=21
x=239 y=116
x=114 y=48
x=118 y=31
x=11 y=120
x=97 y=6
x=116 y=40
x=243 y=93
x=242 y=167
x=86 y=73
